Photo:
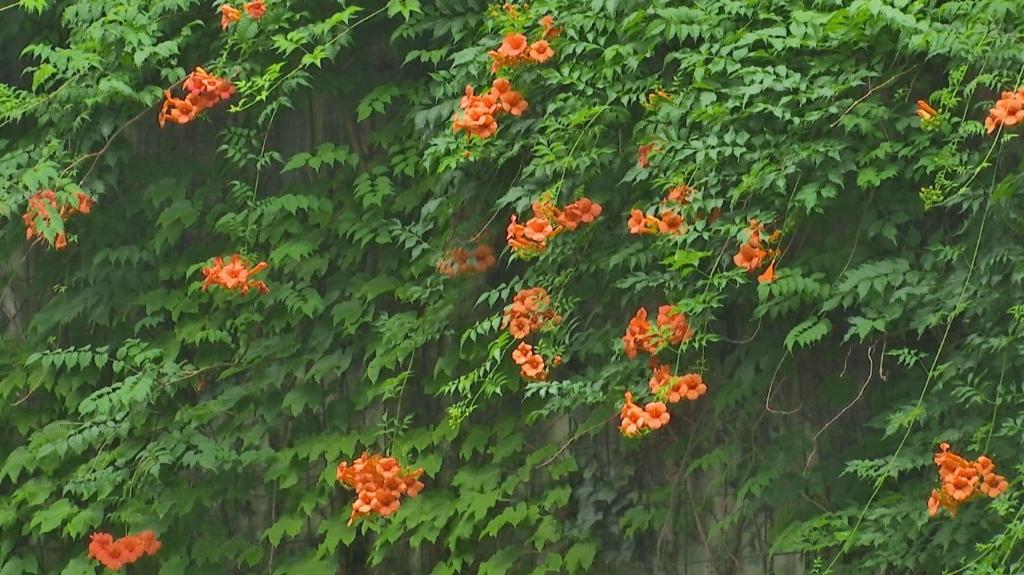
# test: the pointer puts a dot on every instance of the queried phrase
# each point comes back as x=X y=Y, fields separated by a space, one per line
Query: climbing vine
x=549 y=287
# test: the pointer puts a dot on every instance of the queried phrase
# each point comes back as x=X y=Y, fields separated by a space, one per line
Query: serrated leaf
x=807 y=332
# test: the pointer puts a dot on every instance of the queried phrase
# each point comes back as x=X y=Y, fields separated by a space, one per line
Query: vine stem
x=991 y=427
x=393 y=432
x=938 y=352
x=458 y=214
x=561 y=178
x=572 y=150
x=573 y=440
x=195 y=372
x=298 y=68
x=99 y=153
x=995 y=404
x=96 y=155
x=871 y=91
x=786 y=354
x=928 y=379
x=256 y=183
x=860 y=393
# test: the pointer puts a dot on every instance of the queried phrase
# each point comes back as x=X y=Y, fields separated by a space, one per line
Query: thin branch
x=860 y=393
x=573 y=440
x=191 y=374
x=97 y=154
x=771 y=385
x=326 y=45
x=749 y=338
x=700 y=528
x=860 y=100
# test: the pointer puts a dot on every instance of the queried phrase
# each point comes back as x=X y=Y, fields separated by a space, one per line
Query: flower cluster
x=379 y=483
x=460 y=261
x=582 y=211
x=962 y=479
x=510 y=9
x=516 y=49
x=925 y=111
x=643 y=154
x=636 y=420
x=204 y=92
x=753 y=253
x=229 y=14
x=675 y=388
x=548 y=221
x=678 y=195
x=531 y=364
x=671 y=327
x=127 y=550
x=1008 y=111
x=669 y=222
x=234 y=275
x=480 y=113
x=654 y=97
x=531 y=309
x=42 y=206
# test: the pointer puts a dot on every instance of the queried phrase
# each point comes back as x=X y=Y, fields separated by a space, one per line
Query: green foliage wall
x=132 y=399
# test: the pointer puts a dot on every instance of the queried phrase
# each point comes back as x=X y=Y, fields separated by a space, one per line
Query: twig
x=858 y=101
x=700 y=528
x=194 y=373
x=457 y=216
x=31 y=391
x=846 y=362
x=573 y=440
x=860 y=393
x=882 y=374
x=561 y=178
x=256 y=184
x=768 y=396
x=300 y=67
x=97 y=154
x=477 y=235
x=748 y=339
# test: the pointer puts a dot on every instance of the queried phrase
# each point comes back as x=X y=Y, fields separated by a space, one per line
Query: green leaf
x=36 y=6
x=310 y=566
x=511 y=515
x=53 y=517
x=376 y=100
x=807 y=332
x=286 y=525
x=499 y=563
x=174 y=565
x=684 y=259
x=580 y=556
x=80 y=566
x=84 y=521
x=404 y=7
x=42 y=74
x=297 y=161
x=27 y=564
x=548 y=531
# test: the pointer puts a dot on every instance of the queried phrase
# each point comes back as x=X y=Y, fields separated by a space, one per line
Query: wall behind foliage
x=131 y=399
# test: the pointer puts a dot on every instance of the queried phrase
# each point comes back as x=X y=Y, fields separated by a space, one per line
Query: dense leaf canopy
x=830 y=282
